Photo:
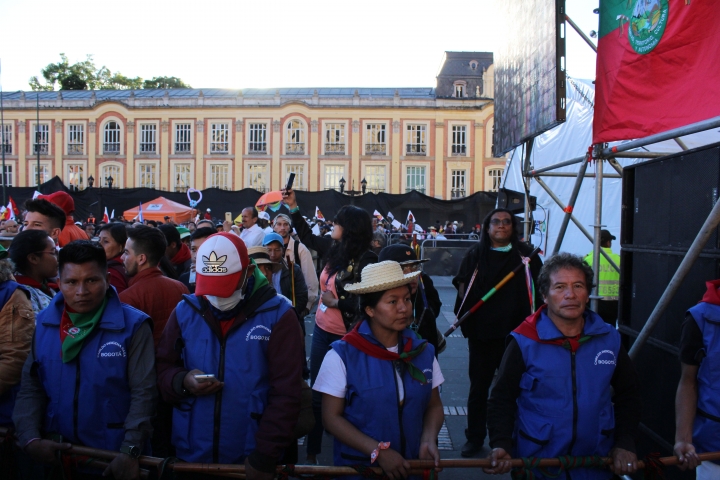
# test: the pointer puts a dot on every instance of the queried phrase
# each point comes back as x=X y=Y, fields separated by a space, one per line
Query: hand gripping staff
x=525 y=264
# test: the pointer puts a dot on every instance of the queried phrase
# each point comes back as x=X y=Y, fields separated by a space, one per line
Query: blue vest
x=706 y=429
x=7 y=400
x=221 y=428
x=371 y=401
x=89 y=397
x=565 y=407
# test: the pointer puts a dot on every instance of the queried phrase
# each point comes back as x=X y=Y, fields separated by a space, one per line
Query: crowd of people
x=188 y=341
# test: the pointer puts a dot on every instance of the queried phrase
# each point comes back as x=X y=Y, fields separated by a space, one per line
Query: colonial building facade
x=434 y=140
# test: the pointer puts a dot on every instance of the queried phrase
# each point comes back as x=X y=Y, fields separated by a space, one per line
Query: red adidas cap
x=219 y=265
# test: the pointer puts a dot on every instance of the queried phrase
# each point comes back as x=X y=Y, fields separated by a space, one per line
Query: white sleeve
x=308 y=269
x=332 y=377
x=437 y=378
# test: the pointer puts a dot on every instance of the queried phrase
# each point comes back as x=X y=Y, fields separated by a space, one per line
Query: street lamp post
x=91 y=181
x=37 y=137
x=109 y=181
x=363 y=184
x=342 y=183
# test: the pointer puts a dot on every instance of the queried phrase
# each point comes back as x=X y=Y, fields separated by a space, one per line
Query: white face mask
x=225 y=304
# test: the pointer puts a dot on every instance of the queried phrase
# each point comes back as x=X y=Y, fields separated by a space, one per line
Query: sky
x=243 y=44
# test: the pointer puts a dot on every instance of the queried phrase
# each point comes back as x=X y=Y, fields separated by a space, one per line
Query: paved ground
x=453 y=362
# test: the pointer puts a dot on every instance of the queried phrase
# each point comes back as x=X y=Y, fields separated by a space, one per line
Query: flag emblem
x=647 y=24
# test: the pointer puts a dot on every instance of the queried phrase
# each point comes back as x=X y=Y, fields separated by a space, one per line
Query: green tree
x=86 y=76
x=165 y=82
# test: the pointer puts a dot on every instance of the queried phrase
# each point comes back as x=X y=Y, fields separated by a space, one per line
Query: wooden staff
x=490 y=293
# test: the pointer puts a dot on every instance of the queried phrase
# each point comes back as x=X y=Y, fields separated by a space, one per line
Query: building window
x=219 y=138
x=183 y=132
x=148 y=138
x=111 y=142
x=44 y=173
x=111 y=174
x=375 y=177
x=257 y=177
x=375 y=139
x=181 y=177
x=299 y=171
x=415 y=179
x=147 y=175
x=7 y=139
x=7 y=180
x=75 y=174
x=76 y=139
x=458 y=140
x=416 y=140
x=295 y=144
x=257 y=141
x=492 y=179
x=335 y=139
x=333 y=174
x=460 y=90
x=220 y=176
x=457 y=184
x=42 y=139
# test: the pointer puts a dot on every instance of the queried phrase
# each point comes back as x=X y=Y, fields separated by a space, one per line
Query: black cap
x=606 y=236
x=401 y=253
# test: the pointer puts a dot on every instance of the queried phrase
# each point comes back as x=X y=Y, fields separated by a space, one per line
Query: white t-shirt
x=332 y=377
x=253 y=236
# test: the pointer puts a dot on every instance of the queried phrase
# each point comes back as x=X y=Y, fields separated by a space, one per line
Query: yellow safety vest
x=609 y=286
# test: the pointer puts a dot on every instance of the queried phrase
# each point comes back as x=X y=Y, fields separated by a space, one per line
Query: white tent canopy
x=571 y=140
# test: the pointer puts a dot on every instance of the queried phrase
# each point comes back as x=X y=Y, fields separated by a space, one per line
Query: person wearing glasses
x=498 y=253
x=36 y=265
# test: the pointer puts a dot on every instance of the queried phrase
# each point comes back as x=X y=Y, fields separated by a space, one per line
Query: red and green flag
x=657 y=66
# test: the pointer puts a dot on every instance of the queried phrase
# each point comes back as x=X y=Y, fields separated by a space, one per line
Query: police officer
x=609 y=279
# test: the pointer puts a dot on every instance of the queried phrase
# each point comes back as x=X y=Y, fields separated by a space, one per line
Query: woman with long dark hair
x=344 y=255
x=36 y=265
x=112 y=238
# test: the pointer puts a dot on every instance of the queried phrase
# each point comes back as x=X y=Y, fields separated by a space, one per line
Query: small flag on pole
x=140 y=215
x=391 y=216
x=112 y=214
x=378 y=215
x=318 y=214
x=105 y=219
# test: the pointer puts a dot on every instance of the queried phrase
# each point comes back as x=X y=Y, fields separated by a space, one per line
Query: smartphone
x=205 y=377
x=228 y=217
x=291 y=179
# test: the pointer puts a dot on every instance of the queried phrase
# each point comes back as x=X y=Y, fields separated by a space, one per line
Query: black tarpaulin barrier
x=426 y=210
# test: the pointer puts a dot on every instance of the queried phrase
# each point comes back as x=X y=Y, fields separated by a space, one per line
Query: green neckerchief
x=82 y=325
x=506 y=248
x=260 y=280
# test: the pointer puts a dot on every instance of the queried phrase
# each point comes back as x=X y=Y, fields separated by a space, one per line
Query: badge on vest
x=111 y=349
x=605 y=357
x=258 y=335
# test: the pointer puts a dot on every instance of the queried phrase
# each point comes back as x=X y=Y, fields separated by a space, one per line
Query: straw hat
x=261 y=256
x=381 y=276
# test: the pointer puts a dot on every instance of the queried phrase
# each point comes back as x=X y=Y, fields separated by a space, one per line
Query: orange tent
x=160 y=208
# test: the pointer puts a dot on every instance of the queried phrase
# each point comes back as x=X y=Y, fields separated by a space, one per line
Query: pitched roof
x=457 y=64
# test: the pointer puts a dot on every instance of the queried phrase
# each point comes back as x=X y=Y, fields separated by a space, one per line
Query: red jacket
x=71 y=232
x=156 y=295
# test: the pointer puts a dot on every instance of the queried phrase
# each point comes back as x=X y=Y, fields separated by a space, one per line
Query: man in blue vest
x=697 y=403
x=231 y=359
x=565 y=386
x=90 y=376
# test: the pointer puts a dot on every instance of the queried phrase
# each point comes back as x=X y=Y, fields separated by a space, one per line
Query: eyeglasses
x=497 y=221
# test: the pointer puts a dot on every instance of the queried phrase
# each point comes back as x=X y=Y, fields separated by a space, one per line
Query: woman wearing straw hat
x=364 y=375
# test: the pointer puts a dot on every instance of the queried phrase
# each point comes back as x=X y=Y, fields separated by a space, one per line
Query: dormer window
x=474 y=64
x=460 y=90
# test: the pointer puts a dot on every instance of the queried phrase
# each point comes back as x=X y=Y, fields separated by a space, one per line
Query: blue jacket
x=565 y=407
x=706 y=429
x=7 y=400
x=221 y=428
x=371 y=401
x=89 y=397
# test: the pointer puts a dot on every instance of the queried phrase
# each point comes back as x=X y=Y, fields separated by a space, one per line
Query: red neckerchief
x=712 y=295
x=182 y=256
x=49 y=288
x=528 y=329
x=358 y=341
x=65 y=325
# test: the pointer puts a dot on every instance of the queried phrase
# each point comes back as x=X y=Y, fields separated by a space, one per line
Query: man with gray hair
x=299 y=254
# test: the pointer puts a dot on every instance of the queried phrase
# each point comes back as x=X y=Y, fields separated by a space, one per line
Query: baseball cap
x=184 y=232
x=401 y=253
x=264 y=216
x=606 y=236
x=272 y=237
x=220 y=262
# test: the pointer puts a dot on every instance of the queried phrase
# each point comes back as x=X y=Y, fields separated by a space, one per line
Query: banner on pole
x=657 y=67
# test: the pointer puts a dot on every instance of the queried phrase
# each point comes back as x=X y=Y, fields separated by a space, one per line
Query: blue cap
x=272 y=237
